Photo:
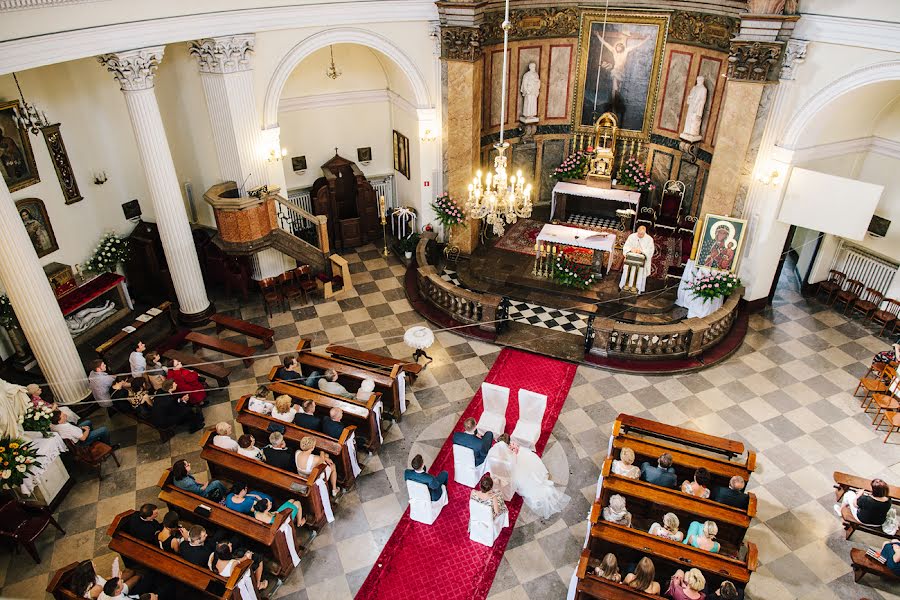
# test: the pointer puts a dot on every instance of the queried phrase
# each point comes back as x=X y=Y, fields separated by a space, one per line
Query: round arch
x=875 y=73
x=345 y=35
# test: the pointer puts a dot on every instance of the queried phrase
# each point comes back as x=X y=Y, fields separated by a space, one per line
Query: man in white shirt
x=223 y=437
x=638 y=243
x=100 y=383
x=137 y=361
x=329 y=384
x=114 y=589
x=83 y=435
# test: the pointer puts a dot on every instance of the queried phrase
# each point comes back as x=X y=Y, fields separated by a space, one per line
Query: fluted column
x=135 y=71
x=36 y=307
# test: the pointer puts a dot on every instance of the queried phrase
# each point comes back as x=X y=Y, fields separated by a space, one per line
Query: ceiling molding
x=350 y=98
x=847 y=31
x=873 y=143
x=10 y=5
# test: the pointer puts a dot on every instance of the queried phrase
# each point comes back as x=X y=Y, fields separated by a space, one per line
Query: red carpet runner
x=439 y=561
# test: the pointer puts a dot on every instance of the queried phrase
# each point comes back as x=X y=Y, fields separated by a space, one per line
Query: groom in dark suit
x=469 y=438
x=419 y=474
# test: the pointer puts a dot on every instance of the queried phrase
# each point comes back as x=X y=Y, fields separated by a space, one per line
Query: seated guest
x=668 y=529
x=486 y=494
x=625 y=466
x=263 y=511
x=277 y=453
x=136 y=360
x=643 y=578
x=84 y=434
x=172 y=533
x=284 y=409
x=890 y=552
x=726 y=591
x=259 y=402
x=248 y=448
x=100 y=381
x=171 y=409
x=223 y=438
x=188 y=381
x=866 y=508
x=332 y=426
x=734 y=495
x=662 y=474
x=196 y=551
x=700 y=486
x=702 y=536
x=242 y=500
x=470 y=438
x=420 y=474
x=290 y=370
x=328 y=383
x=120 y=392
x=306 y=461
x=608 y=568
x=616 y=512
x=155 y=372
x=139 y=396
x=225 y=559
x=85 y=582
x=687 y=586
x=115 y=589
x=366 y=389
x=143 y=524
x=306 y=416
x=35 y=391
x=182 y=478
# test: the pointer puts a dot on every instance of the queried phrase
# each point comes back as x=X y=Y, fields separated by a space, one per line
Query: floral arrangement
x=634 y=175
x=37 y=418
x=447 y=211
x=575 y=166
x=570 y=273
x=19 y=459
x=714 y=285
x=7 y=316
x=108 y=254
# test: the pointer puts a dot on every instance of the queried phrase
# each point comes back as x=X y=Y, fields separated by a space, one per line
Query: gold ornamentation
x=531 y=23
x=754 y=61
x=461 y=43
x=60 y=158
x=700 y=29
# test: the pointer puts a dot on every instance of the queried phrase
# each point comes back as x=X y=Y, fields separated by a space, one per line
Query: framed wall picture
x=619 y=61
x=298 y=163
x=719 y=246
x=16 y=157
x=37 y=224
x=364 y=155
x=60 y=158
x=401 y=153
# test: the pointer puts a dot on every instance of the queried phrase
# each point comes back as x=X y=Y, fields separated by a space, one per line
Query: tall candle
x=381 y=204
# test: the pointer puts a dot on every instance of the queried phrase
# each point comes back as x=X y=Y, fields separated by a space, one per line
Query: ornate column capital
x=134 y=69
x=227 y=54
x=461 y=43
x=754 y=61
x=794 y=54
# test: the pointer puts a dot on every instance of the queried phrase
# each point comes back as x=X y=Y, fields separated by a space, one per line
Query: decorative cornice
x=224 y=54
x=702 y=29
x=848 y=31
x=347 y=99
x=134 y=69
x=794 y=55
x=873 y=143
x=461 y=43
x=8 y=5
x=754 y=61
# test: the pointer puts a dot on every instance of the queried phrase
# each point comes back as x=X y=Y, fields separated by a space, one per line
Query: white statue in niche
x=696 y=102
x=531 y=87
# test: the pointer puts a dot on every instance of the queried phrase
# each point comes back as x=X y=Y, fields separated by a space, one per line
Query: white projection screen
x=830 y=204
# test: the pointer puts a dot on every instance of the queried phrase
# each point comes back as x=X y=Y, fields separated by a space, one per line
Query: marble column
x=135 y=71
x=227 y=76
x=36 y=307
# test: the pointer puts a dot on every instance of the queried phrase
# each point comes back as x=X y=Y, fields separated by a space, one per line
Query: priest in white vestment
x=640 y=243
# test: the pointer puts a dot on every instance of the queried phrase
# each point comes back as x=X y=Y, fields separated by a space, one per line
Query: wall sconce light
x=275 y=156
x=100 y=177
x=428 y=135
x=769 y=177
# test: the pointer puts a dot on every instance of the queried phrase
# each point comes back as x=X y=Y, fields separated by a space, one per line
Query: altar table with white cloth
x=587 y=191
x=51 y=476
x=573 y=236
x=697 y=308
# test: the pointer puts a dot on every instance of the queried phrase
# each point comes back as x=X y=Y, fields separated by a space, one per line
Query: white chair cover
x=421 y=507
x=495 y=399
x=502 y=476
x=483 y=527
x=531 y=413
x=464 y=470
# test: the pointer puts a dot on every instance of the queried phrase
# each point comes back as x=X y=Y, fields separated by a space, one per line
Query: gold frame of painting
x=700 y=234
x=588 y=19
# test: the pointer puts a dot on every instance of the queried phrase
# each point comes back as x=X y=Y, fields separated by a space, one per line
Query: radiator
x=874 y=272
x=300 y=197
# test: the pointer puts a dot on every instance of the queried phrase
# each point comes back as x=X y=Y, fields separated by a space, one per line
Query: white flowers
x=21 y=468
x=6 y=474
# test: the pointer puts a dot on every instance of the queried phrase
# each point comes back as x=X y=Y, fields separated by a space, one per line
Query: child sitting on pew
x=609 y=568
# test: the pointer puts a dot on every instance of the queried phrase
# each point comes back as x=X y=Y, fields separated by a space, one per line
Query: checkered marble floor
x=590 y=221
x=549 y=318
x=786 y=393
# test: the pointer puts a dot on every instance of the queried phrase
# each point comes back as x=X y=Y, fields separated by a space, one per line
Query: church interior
x=466 y=299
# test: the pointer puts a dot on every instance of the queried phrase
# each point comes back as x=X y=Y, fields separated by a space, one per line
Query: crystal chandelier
x=332 y=72
x=500 y=200
x=27 y=116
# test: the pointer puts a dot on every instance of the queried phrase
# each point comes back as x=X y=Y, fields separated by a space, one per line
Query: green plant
x=572 y=274
x=575 y=166
x=634 y=175
x=7 y=316
x=18 y=459
x=37 y=418
x=409 y=243
x=110 y=251
x=714 y=285
x=447 y=211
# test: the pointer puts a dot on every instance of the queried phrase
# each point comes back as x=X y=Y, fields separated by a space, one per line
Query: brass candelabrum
x=544 y=260
x=384 y=234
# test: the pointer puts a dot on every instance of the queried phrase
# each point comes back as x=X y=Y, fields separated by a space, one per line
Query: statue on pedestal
x=531 y=87
x=696 y=103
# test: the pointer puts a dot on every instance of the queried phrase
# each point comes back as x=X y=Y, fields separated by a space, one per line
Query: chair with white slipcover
x=502 y=475
x=495 y=399
x=484 y=528
x=465 y=472
x=421 y=507
x=531 y=413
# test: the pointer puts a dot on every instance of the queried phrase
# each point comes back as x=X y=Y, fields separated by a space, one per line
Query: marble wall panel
x=552 y=154
x=709 y=69
x=496 y=86
x=688 y=173
x=674 y=90
x=559 y=84
x=526 y=55
x=523 y=159
x=660 y=170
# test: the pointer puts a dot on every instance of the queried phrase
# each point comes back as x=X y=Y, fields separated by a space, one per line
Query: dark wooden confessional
x=347 y=198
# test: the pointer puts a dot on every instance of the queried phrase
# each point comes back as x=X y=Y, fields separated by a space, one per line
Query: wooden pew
x=201 y=340
x=844 y=482
x=352 y=374
x=159 y=332
x=271 y=480
x=58 y=587
x=591 y=587
x=686 y=437
x=165 y=433
x=221 y=516
x=264 y=334
x=199 y=579
x=863 y=564
x=362 y=414
x=201 y=365
x=370 y=360
x=257 y=425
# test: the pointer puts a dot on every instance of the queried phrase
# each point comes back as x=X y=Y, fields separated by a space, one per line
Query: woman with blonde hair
x=609 y=568
x=702 y=536
x=687 y=586
x=284 y=409
x=617 y=512
x=643 y=578
x=668 y=529
x=306 y=461
x=625 y=466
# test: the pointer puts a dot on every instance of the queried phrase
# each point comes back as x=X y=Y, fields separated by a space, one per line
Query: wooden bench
x=369 y=359
x=220 y=516
x=199 y=579
x=591 y=587
x=863 y=564
x=201 y=340
x=257 y=425
x=351 y=374
x=201 y=365
x=365 y=415
x=844 y=482
x=688 y=437
x=160 y=332
x=264 y=334
x=278 y=483
x=165 y=433
x=58 y=587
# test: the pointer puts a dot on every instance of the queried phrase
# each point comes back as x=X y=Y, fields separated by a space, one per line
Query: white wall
x=884 y=170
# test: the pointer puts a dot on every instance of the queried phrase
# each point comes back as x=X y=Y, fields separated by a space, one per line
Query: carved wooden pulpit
x=348 y=199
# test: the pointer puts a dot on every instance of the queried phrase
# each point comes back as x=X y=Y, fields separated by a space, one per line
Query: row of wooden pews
x=736 y=559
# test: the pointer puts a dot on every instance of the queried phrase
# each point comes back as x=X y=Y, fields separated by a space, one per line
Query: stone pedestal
x=465 y=237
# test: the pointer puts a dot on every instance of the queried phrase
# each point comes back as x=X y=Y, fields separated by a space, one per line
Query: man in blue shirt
x=419 y=474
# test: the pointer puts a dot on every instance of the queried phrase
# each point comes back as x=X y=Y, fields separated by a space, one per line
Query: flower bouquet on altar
x=19 y=459
x=633 y=175
x=37 y=418
x=108 y=254
x=572 y=274
x=715 y=285
x=574 y=167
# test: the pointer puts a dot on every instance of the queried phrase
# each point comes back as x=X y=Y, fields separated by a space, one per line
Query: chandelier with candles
x=500 y=200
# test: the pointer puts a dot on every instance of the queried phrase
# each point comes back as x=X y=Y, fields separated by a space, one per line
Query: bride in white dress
x=530 y=478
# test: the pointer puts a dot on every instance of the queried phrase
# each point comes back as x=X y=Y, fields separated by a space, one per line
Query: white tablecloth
x=581 y=238
x=48 y=449
x=587 y=191
x=697 y=307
